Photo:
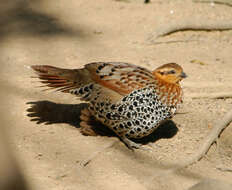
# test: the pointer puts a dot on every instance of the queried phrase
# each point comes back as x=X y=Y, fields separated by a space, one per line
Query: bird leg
x=87 y=129
x=132 y=145
x=85 y=124
x=85 y=115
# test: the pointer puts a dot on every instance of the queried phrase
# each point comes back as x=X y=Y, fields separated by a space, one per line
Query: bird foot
x=86 y=129
x=85 y=124
x=132 y=145
x=85 y=115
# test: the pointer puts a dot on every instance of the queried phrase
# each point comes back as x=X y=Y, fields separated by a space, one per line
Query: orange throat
x=169 y=93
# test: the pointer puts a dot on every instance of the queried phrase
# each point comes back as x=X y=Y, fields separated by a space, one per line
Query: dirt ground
x=43 y=125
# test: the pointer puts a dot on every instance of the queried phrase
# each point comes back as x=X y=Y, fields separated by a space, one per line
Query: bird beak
x=183 y=75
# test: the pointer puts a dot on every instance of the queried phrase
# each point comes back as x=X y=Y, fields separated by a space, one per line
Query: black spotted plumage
x=138 y=104
x=126 y=113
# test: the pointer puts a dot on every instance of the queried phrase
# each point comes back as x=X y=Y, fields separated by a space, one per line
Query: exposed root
x=192 y=27
x=192 y=24
x=212 y=137
x=207 y=84
x=174 y=41
x=219 y=95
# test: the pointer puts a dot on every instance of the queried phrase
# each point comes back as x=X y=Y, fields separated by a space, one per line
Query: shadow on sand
x=20 y=18
x=50 y=113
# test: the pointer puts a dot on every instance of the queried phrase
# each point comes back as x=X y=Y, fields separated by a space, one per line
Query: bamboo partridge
x=130 y=100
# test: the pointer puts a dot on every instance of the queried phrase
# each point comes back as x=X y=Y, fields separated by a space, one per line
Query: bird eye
x=172 y=72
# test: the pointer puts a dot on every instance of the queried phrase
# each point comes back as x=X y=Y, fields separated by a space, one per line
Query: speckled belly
x=135 y=116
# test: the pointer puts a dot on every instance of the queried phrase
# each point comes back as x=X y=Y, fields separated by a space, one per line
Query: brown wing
x=63 y=80
x=119 y=77
x=122 y=78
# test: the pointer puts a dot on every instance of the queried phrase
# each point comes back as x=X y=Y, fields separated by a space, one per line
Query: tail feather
x=63 y=80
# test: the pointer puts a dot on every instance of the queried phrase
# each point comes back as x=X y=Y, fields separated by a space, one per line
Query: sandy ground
x=43 y=126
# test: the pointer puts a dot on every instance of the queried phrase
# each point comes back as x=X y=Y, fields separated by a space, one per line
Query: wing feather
x=120 y=77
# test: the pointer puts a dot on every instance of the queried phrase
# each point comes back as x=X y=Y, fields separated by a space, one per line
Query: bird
x=130 y=100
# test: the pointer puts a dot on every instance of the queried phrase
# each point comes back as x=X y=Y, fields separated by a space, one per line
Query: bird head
x=170 y=72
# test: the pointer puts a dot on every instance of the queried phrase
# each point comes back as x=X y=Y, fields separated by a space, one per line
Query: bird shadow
x=48 y=112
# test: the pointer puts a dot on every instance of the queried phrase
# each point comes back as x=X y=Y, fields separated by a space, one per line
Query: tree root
x=219 y=95
x=174 y=41
x=208 y=27
x=207 y=84
x=187 y=25
x=212 y=137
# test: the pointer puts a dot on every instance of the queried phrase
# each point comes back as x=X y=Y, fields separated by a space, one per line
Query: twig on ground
x=221 y=2
x=85 y=162
x=224 y=169
x=219 y=95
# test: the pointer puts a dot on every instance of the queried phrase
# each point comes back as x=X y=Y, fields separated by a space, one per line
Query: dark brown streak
x=54 y=81
x=59 y=84
x=66 y=89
